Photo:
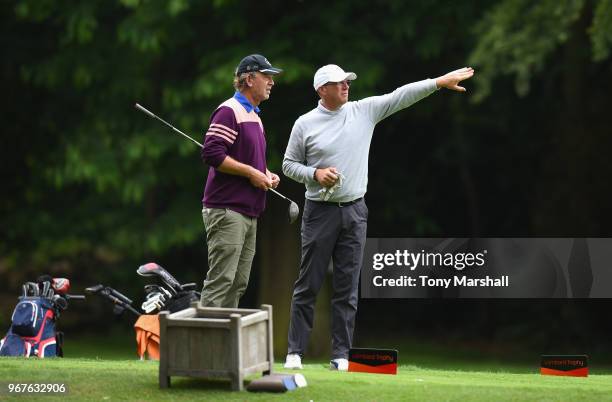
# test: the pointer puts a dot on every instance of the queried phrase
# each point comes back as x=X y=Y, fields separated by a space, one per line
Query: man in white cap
x=329 y=143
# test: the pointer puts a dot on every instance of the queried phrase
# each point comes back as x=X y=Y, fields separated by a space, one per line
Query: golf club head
x=61 y=285
x=153 y=269
x=294 y=212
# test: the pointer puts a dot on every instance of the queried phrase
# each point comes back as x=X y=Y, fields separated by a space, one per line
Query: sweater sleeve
x=383 y=106
x=294 y=162
x=220 y=136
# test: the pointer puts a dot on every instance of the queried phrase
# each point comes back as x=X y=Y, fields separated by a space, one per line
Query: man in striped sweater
x=235 y=191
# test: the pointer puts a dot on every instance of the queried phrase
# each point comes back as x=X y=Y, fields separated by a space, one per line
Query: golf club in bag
x=170 y=295
x=33 y=330
x=293 y=211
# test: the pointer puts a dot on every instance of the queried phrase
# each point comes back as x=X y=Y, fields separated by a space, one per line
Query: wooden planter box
x=210 y=342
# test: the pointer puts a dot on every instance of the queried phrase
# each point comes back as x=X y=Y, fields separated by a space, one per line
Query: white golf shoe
x=338 y=364
x=293 y=361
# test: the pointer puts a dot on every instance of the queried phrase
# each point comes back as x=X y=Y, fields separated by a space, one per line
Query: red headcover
x=61 y=286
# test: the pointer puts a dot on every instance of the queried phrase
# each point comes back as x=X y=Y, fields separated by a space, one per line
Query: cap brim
x=350 y=76
x=271 y=70
x=342 y=77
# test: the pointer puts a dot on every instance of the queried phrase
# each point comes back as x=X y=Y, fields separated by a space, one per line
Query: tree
x=95 y=188
x=546 y=45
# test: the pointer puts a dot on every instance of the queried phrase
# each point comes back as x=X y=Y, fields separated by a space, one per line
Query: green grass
x=90 y=379
x=106 y=368
x=430 y=354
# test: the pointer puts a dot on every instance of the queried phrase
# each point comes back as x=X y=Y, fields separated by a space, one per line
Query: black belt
x=339 y=204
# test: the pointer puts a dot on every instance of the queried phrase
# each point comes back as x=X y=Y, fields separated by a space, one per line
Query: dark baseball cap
x=256 y=62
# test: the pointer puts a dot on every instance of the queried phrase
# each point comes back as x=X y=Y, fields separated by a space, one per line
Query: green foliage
x=601 y=31
x=100 y=58
x=130 y=183
x=90 y=173
x=518 y=37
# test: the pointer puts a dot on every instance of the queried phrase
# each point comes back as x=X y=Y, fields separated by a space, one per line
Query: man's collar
x=322 y=108
x=245 y=102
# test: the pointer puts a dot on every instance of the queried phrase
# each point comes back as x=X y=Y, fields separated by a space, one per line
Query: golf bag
x=170 y=295
x=32 y=331
x=33 y=323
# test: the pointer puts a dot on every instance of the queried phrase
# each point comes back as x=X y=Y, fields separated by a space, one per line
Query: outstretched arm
x=383 y=106
x=452 y=79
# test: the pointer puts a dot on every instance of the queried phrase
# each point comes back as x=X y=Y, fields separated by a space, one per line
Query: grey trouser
x=329 y=232
x=231 y=247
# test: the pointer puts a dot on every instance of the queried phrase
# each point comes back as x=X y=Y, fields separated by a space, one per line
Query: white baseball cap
x=331 y=73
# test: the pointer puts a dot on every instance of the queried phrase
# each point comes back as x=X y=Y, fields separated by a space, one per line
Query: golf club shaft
x=279 y=194
x=143 y=109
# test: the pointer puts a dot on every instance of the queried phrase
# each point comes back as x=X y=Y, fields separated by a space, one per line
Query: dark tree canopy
x=93 y=187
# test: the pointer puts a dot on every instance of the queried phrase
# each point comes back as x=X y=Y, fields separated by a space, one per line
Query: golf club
x=294 y=210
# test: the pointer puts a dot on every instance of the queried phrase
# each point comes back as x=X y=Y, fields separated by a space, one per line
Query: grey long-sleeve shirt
x=341 y=138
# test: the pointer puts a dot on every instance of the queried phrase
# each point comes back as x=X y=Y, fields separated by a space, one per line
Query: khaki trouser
x=231 y=247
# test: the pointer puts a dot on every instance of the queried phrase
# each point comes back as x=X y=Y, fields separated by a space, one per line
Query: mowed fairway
x=89 y=379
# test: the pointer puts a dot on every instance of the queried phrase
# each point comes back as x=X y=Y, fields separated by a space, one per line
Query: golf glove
x=326 y=193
